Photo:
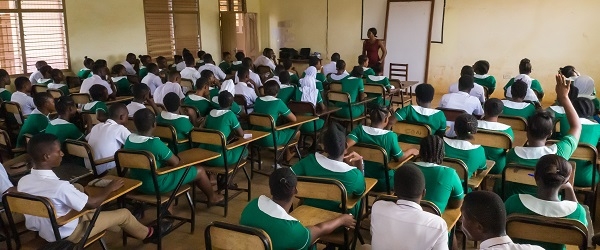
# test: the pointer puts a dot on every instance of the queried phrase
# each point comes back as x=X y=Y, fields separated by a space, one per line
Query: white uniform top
x=63 y=195
x=505 y=243
x=253 y=76
x=129 y=68
x=329 y=68
x=35 y=76
x=56 y=85
x=264 y=61
x=463 y=101
x=105 y=139
x=166 y=88
x=477 y=91
x=242 y=88
x=190 y=73
x=153 y=81
x=4 y=181
x=219 y=74
x=25 y=101
x=180 y=66
x=405 y=224
x=133 y=107
x=94 y=79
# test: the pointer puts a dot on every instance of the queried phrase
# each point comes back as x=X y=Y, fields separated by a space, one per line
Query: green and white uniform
x=520 y=109
x=472 y=155
x=35 y=123
x=320 y=78
x=202 y=104
x=531 y=205
x=226 y=122
x=590 y=134
x=434 y=118
x=63 y=130
x=381 y=80
x=182 y=126
x=294 y=78
x=310 y=126
x=236 y=65
x=43 y=81
x=487 y=81
x=84 y=73
x=94 y=106
x=386 y=139
x=535 y=85
x=5 y=95
x=337 y=78
x=286 y=92
x=354 y=87
x=123 y=86
x=442 y=184
x=368 y=72
x=235 y=108
x=497 y=155
x=166 y=182
x=225 y=67
x=143 y=72
x=60 y=86
x=274 y=107
x=318 y=165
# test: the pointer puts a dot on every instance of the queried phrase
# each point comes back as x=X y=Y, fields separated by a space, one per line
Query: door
x=251 y=33
x=228 y=32
x=239 y=32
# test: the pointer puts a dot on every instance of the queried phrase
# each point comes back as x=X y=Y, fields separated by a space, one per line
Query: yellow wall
x=210 y=32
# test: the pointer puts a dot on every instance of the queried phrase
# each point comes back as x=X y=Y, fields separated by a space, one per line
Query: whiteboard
x=414 y=18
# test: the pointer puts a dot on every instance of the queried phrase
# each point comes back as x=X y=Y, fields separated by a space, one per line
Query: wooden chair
x=515 y=122
x=39 y=88
x=376 y=89
x=342 y=97
x=81 y=98
x=451 y=114
x=7 y=147
x=241 y=100
x=167 y=134
x=404 y=97
x=73 y=81
x=144 y=160
x=308 y=108
x=266 y=121
x=335 y=86
x=375 y=153
x=493 y=139
x=89 y=121
x=55 y=93
x=27 y=204
x=524 y=175
x=160 y=107
x=427 y=206
x=461 y=169
x=216 y=138
x=130 y=125
x=411 y=129
x=83 y=150
x=222 y=235
x=547 y=229
x=398 y=71
x=186 y=85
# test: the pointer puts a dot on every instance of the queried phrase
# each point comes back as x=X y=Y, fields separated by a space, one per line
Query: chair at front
x=81 y=98
x=405 y=129
x=515 y=122
x=221 y=235
x=15 y=117
x=547 y=229
x=167 y=134
x=83 y=150
x=344 y=98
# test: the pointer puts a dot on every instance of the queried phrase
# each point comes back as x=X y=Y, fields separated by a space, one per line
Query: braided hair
x=552 y=170
x=378 y=114
x=540 y=125
x=432 y=149
x=465 y=126
x=584 y=107
x=282 y=183
x=334 y=140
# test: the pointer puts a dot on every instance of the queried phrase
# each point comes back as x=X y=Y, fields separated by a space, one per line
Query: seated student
x=462 y=100
x=190 y=72
x=330 y=68
x=525 y=70
x=108 y=137
x=530 y=94
x=484 y=220
x=363 y=61
x=481 y=68
x=517 y=106
x=310 y=74
x=336 y=164
x=493 y=108
x=120 y=80
x=388 y=140
x=57 y=81
x=23 y=95
x=247 y=63
x=141 y=95
x=178 y=63
x=271 y=215
x=6 y=185
x=443 y=185
x=86 y=71
x=201 y=61
x=271 y=105
x=213 y=83
x=152 y=79
x=379 y=78
x=38 y=120
x=144 y=60
x=404 y=223
x=539 y=128
x=61 y=127
x=172 y=86
x=209 y=64
x=171 y=116
x=266 y=59
x=355 y=87
x=100 y=72
x=237 y=64
x=145 y=122
x=278 y=69
x=228 y=86
x=97 y=106
x=163 y=68
x=131 y=63
x=476 y=91
x=460 y=148
x=36 y=75
x=307 y=92
x=586 y=87
x=225 y=65
x=4 y=80
x=288 y=66
x=340 y=74
x=286 y=91
x=246 y=87
x=551 y=175
x=314 y=61
x=199 y=99
x=46 y=76
x=46 y=154
x=422 y=113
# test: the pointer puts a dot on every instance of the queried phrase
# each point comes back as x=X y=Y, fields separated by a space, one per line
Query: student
x=460 y=148
x=108 y=137
x=354 y=86
x=100 y=73
x=530 y=95
x=228 y=86
x=247 y=63
x=278 y=69
x=120 y=80
x=98 y=104
x=517 y=106
x=46 y=154
x=190 y=72
x=493 y=108
x=586 y=87
x=315 y=62
x=558 y=112
x=209 y=64
x=287 y=91
x=330 y=68
x=23 y=95
x=246 y=87
x=36 y=75
x=86 y=71
x=551 y=175
x=172 y=86
x=213 y=83
x=152 y=79
x=476 y=91
x=141 y=95
x=482 y=78
x=225 y=65
x=145 y=122
x=539 y=128
x=61 y=127
x=422 y=113
x=462 y=100
x=363 y=61
x=340 y=74
x=237 y=64
x=130 y=64
x=310 y=74
x=308 y=92
x=336 y=164
x=404 y=223
x=144 y=60
x=38 y=120
x=171 y=116
x=379 y=78
x=179 y=64
x=199 y=99
x=288 y=66
x=201 y=60
x=58 y=78
x=442 y=183
x=4 y=80
x=6 y=185
x=163 y=68
x=388 y=140
x=266 y=59
x=46 y=76
x=525 y=69
x=484 y=220
x=271 y=215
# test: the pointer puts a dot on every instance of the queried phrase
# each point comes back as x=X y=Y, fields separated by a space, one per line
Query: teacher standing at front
x=371 y=48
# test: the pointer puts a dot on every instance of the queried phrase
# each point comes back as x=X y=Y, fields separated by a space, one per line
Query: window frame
x=230 y=5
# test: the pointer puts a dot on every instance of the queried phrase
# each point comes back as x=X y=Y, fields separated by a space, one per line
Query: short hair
x=357 y=71
x=39 y=99
x=97 y=92
x=171 y=102
x=340 y=65
x=552 y=170
x=63 y=103
x=334 y=140
x=140 y=90
x=278 y=69
x=287 y=64
x=97 y=67
x=378 y=114
x=144 y=58
x=225 y=99
x=188 y=59
x=432 y=149
x=160 y=58
x=243 y=73
x=151 y=67
x=487 y=209
x=45 y=69
x=129 y=55
x=481 y=67
x=525 y=66
x=54 y=73
x=519 y=89
x=424 y=92
x=178 y=58
x=282 y=184
x=271 y=88
x=373 y=30
x=201 y=54
x=409 y=182
x=362 y=59
x=284 y=77
x=493 y=107
x=40 y=64
x=335 y=57
x=225 y=54
x=174 y=74
x=40 y=144
x=378 y=68
x=20 y=82
x=239 y=55
x=114 y=110
x=186 y=51
x=567 y=71
x=584 y=107
x=540 y=124
x=467 y=71
x=88 y=62
x=465 y=126
x=267 y=50
x=247 y=62
x=102 y=62
x=3 y=73
x=207 y=73
x=466 y=82
x=144 y=120
x=201 y=82
x=207 y=58
x=313 y=61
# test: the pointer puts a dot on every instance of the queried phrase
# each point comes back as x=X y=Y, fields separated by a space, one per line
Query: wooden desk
x=476 y=180
x=520 y=138
x=407 y=84
x=330 y=109
x=71 y=172
x=120 y=99
x=75 y=90
x=366 y=100
x=310 y=216
x=189 y=158
x=451 y=216
x=369 y=184
x=242 y=141
x=300 y=119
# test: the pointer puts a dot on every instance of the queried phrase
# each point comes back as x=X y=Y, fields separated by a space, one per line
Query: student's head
x=189 y=60
x=284 y=77
x=424 y=93
x=208 y=74
x=363 y=60
x=172 y=102
x=378 y=69
x=45 y=70
x=568 y=71
x=282 y=183
x=573 y=93
x=334 y=141
x=247 y=62
x=40 y=64
x=357 y=71
x=201 y=54
x=186 y=51
x=525 y=66
x=465 y=126
x=379 y=116
x=44 y=150
x=57 y=75
x=141 y=91
x=152 y=68
x=335 y=57
x=239 y=56
x=314 y=61
x=466 y=83
x=202 y=83
x=271 y=88
x=432 y=149
x=481 y=67
x=519 y=89
x=101 y=62
x=409 y=183
x=174 y=76
x=340 y=65
x=584 y=107
x=483 y=216
x=372 y=32
x=144 y=121
x=161 y=61
x=44 y=101
x=4 y=78
x=540 y=125
x=225 y=99
x=118 y=112
x=23 y=84
x=467 y=71
x=178 y=58
x=493 y=107
x=65 y=105
x=98 y=93
x=287 y=64
x=145 y=59
x=226 y=56
x=551 y=172
x=99 y=70
x=278 y=69
x=268 y=52
x=243 y=74
x=131 y=58
x=207 y=58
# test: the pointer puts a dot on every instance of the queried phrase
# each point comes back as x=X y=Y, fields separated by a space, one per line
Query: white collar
x=496 y=126
x=425 y=111
x=530 y=153
x=90 y=105
x=84 y=68
x=171 y=116
x=460 y=144
x=269 y=207
x=142 y=67
x=137 y=104
x=333 y=165
x=585 y=121
x=374 y=131
x=111 y=121
x=336 y=77
x=558 y=109
x=2 y=90
x=555 y=209
x=376 y=78
x=515 y=105
x=218 y=112
x=481 y=76
x=45 y=174
x=135 y=138
x=59 y=121
x=268 y=98
x=428 y=164
x=236 y=62
x=119 y=78
x=195 y=97
x=366 y=68
x=491 y=242
x=36 y=112
x=410 y=204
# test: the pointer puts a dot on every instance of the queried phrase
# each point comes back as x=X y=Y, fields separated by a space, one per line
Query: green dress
x=368 y=72
x=226 y=122
x=167 y=182
x=274 y=107
x=498 y=155
x=434 y=118
x=535 y=85
x=487 y=81
x=354 y=87
x=519 y=109
x=590 y=134
x=386 y=139
x=143 y=72
x=234 y=106
x=381 y=80
x=63 y=130
x=318 y=165
x=286 y=93
x=202 y=104
x=5 y=95
x=310 y=126
x=94 y=106
x=294 y=79
x=225 y=67
x=123 y=86
x=442 y=184
x=472 y=155
x=182 y=126
x=84 y=73
x=35 y=123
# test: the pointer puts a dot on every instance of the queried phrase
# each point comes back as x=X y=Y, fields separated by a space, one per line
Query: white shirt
x=166 y=88
x=63 y=195
x=180 y=66
x=153 y=81
x=129 y=68
x=241 y=88
x=4 y=181
x=94 y=79
x=463 y=101
x=25 y=101
x=329 y=68
x=105 y=139
x=35 y=76
x=133 y=107
x=477 y=91
x=404 y=225
x=264 y=61
x=505 y=243
x=190 y=73
x=530 y=96
x=56 y=85
x=219 y=74
x=253 y=76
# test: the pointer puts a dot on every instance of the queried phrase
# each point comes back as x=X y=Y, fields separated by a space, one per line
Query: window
x=171 y=26
x=30 y=31
x=232 y=5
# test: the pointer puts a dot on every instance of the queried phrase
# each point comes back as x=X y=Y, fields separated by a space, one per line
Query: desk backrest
x=412 y=129
x=494 y=139
x=81 y=98
x=547 y=229
x=515 y=122
x=461 y=169
x=138 y=159
x=208 y=136
x=221 y=235
x=451 y=114
x=369 y=152
x=322 y=189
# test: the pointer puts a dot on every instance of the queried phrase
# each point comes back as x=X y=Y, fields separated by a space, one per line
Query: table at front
x=120 y=99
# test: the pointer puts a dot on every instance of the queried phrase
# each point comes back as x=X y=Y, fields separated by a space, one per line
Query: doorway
x=239 y=32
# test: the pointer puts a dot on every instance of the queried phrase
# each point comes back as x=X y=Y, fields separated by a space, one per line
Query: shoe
x=161 y=228
x=138 y=210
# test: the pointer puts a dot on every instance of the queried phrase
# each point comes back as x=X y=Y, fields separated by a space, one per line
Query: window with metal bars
x=171 y=26
x=30 y=31
x=232 y=5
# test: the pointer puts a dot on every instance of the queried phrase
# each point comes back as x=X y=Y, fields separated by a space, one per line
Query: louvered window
x=232 y=5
